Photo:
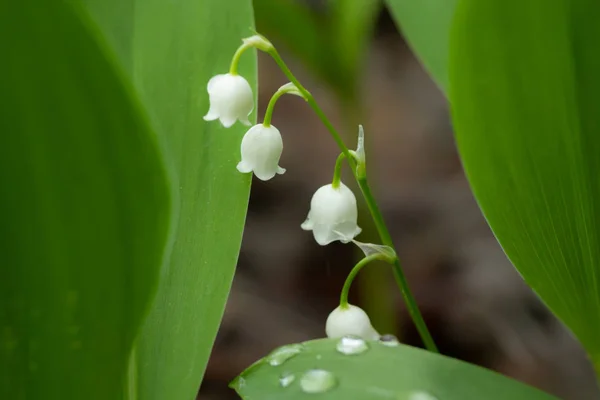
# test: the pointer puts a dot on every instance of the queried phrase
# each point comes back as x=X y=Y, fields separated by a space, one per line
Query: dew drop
x=317 y=381
x=286 y=380
x=389 y=340
x=350 y=345
x=421 y=395
x=284 y=353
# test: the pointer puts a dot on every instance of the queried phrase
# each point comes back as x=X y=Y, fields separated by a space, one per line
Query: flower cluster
x=333 y=211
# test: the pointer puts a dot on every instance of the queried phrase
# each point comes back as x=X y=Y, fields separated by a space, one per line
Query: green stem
x=337 y=171
x=354 y=272
x=236 y=58
x=313 y=104
x=270 y=107
x=288 y=88
x=386 y=239
x=384 y=234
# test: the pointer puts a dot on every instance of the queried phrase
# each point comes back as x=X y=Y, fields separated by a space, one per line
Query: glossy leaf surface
x=378 y=373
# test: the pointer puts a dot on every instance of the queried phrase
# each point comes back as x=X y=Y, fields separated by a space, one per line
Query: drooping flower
x=333 y=215
x=230 y=98
x=261 y=149
x=350 y=320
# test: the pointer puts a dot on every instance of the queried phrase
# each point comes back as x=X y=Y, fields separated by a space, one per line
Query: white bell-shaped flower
x=231 y=99
x=350 y=320
x=333 y=215
x=261 y=149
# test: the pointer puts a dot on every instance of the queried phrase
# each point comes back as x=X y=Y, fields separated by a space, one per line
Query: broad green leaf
x=84 y=209
x=426 y=26
x=381 y=372
x=171 y=49
x=524 y=91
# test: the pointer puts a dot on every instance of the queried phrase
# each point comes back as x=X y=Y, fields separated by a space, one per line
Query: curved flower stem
x=355 y=271
x=382 y=229
x=236 y=57
x=270 y=107
x=312 y=103
x=285 y=89
x=337 y=171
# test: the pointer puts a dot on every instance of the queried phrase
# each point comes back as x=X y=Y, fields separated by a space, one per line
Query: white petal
x=243 y=167
x=264 y=175
x=347 y=231
x=261 y=150
x=227 y=121
x=214 y=81
x=231 y=98
x=280 y=170
x=350 y=321
x=241 y=102
x=333 y=215
x=211 y=115
x=245 y=121
x=324 y=234
x=307 y=225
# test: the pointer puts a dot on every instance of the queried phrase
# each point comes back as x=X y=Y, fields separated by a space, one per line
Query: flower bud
x=261 y=149
x=333 y=215
x=231 y=99
x=350 y=320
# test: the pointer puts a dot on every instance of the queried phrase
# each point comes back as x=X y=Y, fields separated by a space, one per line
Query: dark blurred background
x=473 y=300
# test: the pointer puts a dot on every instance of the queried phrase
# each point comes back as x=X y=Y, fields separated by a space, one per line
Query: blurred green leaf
x=84 y=209
x=381 y=372
x=332 y=42
x=352 y=24
x=284 y=21
x=426 y=26
x=524 y=91
x=171 y=49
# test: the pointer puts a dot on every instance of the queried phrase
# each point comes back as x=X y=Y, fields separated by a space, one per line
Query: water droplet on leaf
x=284 y=353
x=286 y=380
x=317 y=381
x=350 y=345
x=389 y=340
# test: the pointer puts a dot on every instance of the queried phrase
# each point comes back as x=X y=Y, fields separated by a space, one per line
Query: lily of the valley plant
x=333 y=211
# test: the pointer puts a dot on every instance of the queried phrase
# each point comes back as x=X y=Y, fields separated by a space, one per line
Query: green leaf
x=287 y=20
x=171 y=49
x=524 y=90
x=426 y=26
x=84 y=209
x=381 y=372
x=332 y=43
x=352 y=24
